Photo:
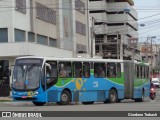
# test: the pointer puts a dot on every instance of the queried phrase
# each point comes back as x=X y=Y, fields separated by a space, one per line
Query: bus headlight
x=36 y=93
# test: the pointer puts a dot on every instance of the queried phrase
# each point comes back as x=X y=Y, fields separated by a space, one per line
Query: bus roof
x=82 y=59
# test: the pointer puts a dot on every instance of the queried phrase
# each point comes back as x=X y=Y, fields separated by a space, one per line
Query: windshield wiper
x=31 y=67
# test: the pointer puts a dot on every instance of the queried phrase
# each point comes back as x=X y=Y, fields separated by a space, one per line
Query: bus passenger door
x=51 y=74
x=51 y=78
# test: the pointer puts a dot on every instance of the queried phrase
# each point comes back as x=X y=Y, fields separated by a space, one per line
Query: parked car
x=156 y=82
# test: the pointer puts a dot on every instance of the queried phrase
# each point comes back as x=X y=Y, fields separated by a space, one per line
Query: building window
x=3 y=35
x=21 y=6
x=80 y=6
x=42 y=40
x=20 y=35
x=46 y=14
x=80 y=28
x=52 y=42
x=31 y=37
x=81 y=48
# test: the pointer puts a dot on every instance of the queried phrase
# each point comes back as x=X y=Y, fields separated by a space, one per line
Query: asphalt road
x=125 y=105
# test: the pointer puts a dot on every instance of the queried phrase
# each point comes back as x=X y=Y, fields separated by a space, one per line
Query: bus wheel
x=142 y=97
x=38 y=103
x=112 y=96
x=65 y=98
x=87 y=103
x=119 y=100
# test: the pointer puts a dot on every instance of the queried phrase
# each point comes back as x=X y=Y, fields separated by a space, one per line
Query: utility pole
x=151 y=59
x=117 y=46
x=92 y=36
x=156 y=55
x=146 y=50
x=133 y=50
x=152 y=55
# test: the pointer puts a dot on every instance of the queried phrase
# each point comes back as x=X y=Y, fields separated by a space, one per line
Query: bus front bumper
x=26 y=96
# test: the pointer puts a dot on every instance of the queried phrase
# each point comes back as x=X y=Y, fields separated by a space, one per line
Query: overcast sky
x=148 y=14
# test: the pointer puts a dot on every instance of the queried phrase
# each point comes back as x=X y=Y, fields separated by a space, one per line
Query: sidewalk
x=5 y=98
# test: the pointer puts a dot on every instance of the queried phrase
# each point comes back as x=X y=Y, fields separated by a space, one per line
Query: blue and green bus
x=65 y=80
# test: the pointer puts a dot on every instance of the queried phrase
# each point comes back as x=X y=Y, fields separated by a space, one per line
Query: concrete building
x=150 y=54
x=57 y=28
x=115 y=28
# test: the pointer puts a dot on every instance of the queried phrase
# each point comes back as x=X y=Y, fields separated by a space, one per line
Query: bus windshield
x=26 y=74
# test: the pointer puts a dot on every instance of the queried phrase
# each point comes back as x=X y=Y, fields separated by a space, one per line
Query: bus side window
x=135 y=71
x=111 y=70
x=147 y=72
x=53 y=70
x=141 y=71
x=144 y=72
x=138 y=71
x=77 y=68
x=65 y=69
x=86 y=69
x=99 y=70
x=145 y=75
x=118 y=70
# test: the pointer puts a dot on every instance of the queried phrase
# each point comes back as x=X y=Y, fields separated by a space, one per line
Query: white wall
x=6 y=17
x=21 y=20
x=6 y=12
x=97 y=5
x=25 y=48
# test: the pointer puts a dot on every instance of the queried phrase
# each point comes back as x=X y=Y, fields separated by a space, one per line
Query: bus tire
x=87 y=103
x=119 y=100
x=142 y=97
x=112 y=98
x=38 y=103
x=65 y=98
x=105 y=102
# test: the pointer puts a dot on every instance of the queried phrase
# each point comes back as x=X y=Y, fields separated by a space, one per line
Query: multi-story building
x=57 y=28
x=115 y=28
x=151 y=54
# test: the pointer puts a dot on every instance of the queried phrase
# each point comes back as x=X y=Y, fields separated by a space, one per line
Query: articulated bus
x=65 y=80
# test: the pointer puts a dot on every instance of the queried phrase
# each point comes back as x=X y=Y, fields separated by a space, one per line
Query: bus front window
x=18 y=78
x=26 y=76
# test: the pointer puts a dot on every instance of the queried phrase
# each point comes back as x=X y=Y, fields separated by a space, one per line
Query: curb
x=16 y=103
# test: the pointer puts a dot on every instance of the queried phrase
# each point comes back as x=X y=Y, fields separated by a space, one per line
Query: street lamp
x=151 y=38
x=142 y=25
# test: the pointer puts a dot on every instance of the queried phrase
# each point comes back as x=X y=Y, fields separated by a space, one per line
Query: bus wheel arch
x=113 y=95
x=142 y=96
x=65 y=97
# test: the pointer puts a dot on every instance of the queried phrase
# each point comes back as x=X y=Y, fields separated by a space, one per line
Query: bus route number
x=95 y=84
